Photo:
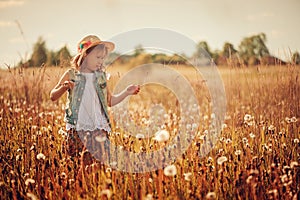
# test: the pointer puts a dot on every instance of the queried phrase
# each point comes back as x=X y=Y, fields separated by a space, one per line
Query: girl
x=86 y=115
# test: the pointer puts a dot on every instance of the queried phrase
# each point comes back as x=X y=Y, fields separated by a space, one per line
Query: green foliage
x=253 y=48
x=39 y=55
x=228 y=50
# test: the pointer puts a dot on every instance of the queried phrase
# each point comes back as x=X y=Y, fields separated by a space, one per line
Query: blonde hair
x=74 y=61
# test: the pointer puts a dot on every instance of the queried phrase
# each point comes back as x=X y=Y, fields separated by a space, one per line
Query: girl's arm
x=115 y=99
x=62 y=86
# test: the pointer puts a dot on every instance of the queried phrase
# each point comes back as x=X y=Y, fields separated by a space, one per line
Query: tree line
x=252 y=50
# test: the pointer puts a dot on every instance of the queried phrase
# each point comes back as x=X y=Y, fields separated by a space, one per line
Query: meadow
x=256 y=155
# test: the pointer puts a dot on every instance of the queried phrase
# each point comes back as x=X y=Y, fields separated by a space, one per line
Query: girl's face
x=94 y=60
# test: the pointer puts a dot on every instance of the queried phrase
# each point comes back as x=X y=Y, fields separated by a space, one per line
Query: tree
x=296 y=58
x=63 y=56
x=253 y=48
x=228 y=50
x=138 y=50
x=39 y=55
x=202 y=49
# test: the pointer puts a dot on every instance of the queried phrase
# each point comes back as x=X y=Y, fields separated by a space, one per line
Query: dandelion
x=271 y=128
x=238 y=152
x=31 y=196
x=170 y=170
x=252 y=135
x=294 y=164
x=140 y=136
x=245 y=140
x=228 y=141
x=62 y=132
x=29 y=181
x=106 y=193
x=187 y=176
x=224 y=126
x=148 y=197
x=211 y=195
x=248 y=119
x=288 y=120
x=162 y=136
x=221 y=160
x=41 y=156
x=99 y=138
x=293 y=119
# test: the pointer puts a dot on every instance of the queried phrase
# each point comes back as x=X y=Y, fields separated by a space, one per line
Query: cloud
x=10 y=3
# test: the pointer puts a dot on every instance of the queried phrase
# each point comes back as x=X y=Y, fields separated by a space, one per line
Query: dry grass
x=256 y=157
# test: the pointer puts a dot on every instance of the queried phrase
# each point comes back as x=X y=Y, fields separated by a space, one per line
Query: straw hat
x=88 y=42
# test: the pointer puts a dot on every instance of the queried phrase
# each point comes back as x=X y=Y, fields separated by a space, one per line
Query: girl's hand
x=68 y=85
x=133 y=89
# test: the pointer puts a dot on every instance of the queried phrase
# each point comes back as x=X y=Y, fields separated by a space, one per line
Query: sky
x=65 y=22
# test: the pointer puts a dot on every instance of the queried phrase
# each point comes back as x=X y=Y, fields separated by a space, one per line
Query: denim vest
x=74 y=95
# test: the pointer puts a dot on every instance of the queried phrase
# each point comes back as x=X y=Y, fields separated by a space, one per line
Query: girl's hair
x=75 y=59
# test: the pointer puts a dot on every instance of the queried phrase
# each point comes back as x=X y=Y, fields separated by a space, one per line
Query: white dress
x=91 y=115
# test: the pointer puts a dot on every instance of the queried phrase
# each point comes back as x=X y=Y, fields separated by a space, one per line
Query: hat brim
x=109 y=45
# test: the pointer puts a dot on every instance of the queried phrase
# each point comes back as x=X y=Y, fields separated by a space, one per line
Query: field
x=256 y=155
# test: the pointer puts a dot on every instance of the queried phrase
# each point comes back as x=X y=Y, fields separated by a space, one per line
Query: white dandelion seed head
x=271 y=128
x=187 y=176
x=29 y=181
x=252 y=135
x=162 y=136
x=211 y=195
x=106 y=193
x=238 y=152
x=221 y=160
x=140 y=136
x=100 y=138
x=170 y=170
x=294 y=164
x=31 y=196
x=293 y=119
x=148 y=197
x=41 y=156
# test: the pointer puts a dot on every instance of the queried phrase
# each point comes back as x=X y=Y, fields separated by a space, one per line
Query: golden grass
x=256 y=156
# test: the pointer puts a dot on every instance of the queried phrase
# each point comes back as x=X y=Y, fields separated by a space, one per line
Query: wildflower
x=293 y=164
x=106 y=193
x=29 y=181
x=41 y=156
x=248 y=119
x=228 y=141
x=140 y=136
x=238 y=152
x=100 y=138
x=293 y=119
x=245 y=140
x=62 y=132
x=271 y=128
x=31 y=196
x=221 y=160
x=296 y=140
x=211 y=195
x=162 y=136
x=187 y=176
x=170 y=170
x=252 y=135
x=63 y=175
x=288 y=120
x=224 y=126
x=148 y=197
